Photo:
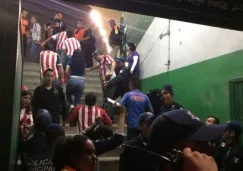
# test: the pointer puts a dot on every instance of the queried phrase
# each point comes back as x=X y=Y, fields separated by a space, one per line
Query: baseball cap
x=236 y=126
x=43 y=120
x=54 y=131
x=143 y=117
x=96 y=53
x=172 y=128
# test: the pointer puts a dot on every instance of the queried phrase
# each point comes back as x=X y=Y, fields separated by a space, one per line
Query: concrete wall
x=203 y=60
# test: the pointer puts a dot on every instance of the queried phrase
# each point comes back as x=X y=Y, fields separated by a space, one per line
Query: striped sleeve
x=109 y=60
x=106 y=118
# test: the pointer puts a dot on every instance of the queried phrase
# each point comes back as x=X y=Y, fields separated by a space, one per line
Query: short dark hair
x=34 y=16
x=69 y=34
x=48 y=70
x=66 y=148
x=48 y=46
x=63 y=28
x=90 y=99
x=132 y=46
x=135 y=82
x=217 y=121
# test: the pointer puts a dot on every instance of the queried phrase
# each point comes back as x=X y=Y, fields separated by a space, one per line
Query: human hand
x=195 y=161
x=42 y=44
x=61 y=81
x=87 y=70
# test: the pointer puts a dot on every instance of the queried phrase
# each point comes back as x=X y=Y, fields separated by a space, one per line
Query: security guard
x=51 y=97
x=133 y=156
x=229 y=154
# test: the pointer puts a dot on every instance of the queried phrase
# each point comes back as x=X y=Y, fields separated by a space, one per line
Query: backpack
x=154 y=96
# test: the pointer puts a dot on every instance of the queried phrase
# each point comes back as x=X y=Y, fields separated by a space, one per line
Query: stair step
x=31 y=66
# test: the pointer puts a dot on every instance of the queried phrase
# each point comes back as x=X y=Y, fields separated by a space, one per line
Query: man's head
x=112 y=23
x=167 y=88
x=54 y=132
x=69 y=34
x=80 y=24
x=131 y=47
x=212 y=120
x=180 y=128
x=49 y=46
x=232 y=132
x=145 y=121
x=63 y=28
x=120 y=62
x=49 y=76
x=90 y=99
x=135 y=84
x=97 y=55
x=168 y=99
x=42 y=120
x=33 y=19
x=24 y=13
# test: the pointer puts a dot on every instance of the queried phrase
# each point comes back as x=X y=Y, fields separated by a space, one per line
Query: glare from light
x=97 y=20
x=102 y=32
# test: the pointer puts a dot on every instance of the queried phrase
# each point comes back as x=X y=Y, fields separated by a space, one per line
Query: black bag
x=154 y=96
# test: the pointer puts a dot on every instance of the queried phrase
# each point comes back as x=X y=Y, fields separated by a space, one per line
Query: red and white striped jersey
x=49 y=59
x=60 y=38
x=70 y=45
x=105 y=66
x=85 y=116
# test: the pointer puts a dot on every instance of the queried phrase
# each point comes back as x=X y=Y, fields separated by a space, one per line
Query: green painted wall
x=203 y=87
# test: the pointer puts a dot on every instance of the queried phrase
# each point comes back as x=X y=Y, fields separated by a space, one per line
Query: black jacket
x=132 y=159
x=52 y=100
x=167 y=108
x=230 y=158
x=121 y=80
x=115 y=39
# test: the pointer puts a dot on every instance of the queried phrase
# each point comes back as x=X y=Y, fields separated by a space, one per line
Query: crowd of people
x=161 y=134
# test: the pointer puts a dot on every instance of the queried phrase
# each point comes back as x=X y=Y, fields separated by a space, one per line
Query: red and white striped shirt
x=85 y=116
x=60 y=38
x=105 y=66
x=49 y=59
x=70 y=45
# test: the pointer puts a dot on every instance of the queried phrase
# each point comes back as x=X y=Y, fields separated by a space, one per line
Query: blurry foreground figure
x=176 y=130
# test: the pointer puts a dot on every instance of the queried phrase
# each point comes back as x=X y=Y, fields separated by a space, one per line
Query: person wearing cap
x=122 y=79
x=133 y=59
x=135 y=159
x=106 y=66
x=43 y=159
x=35 y=141
x=136 y=103
x=229 y=155
x=115 y=38
x=178 y=130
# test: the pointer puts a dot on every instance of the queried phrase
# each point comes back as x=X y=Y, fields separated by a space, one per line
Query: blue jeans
x=35 y=52
x=75 y=87
x=65 y=60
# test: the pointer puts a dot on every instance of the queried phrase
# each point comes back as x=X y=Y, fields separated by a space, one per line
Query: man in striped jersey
x=69 y=46
x=85 y=115
x=106 y=65
x=51 y=60
x=59 y=38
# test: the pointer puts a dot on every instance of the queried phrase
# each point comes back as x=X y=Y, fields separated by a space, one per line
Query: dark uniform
x=230 y=158
x=53 y=100
x=121 y=80
x=167 y=108
x=132 y=159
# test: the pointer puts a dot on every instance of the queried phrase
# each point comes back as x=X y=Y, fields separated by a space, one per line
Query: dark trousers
x=132 y=133
x=75 y=87
x=109 y=93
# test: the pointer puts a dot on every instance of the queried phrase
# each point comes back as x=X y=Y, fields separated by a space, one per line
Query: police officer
x=122 y=79
x=133 y=157
x=51 y=97
x=229 y=154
